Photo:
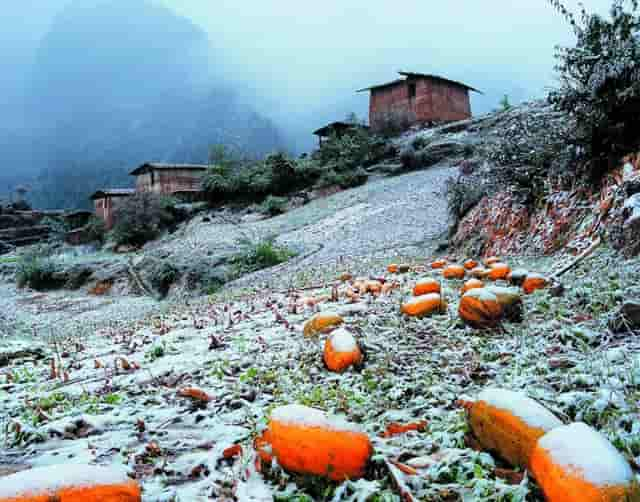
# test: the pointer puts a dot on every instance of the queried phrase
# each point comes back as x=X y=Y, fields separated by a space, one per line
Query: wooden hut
x=336 y=129
x=183 y=180
x=417 y=98
x=107 y=201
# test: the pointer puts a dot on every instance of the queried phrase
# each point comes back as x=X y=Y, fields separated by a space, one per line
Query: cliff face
x=116 y=83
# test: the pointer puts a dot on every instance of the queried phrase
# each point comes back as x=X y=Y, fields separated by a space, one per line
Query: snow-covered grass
x=245 y=348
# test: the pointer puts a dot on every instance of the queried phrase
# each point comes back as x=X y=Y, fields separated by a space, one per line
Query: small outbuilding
x=184 y=180
x=107 y=201
x=417 y=98
x=336 y=129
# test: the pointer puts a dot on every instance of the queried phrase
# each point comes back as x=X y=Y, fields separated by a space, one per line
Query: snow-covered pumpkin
x=498 y=271
x=423 y=305
x=454 y=272
x=480 y=308
x=437 y=264
x=70 y=483
x=510 y=423
x=510 y=300
x=470 y=264
x=321 y=323
x=426 y=286
x=309 y=441
x=472 y=284
x=491 y=260
x=341 y=350
x=575 y=463
x=534 y=282
x=479 y=272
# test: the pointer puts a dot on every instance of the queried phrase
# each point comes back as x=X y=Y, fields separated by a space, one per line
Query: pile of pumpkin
x=571 y=463
x=481 y=305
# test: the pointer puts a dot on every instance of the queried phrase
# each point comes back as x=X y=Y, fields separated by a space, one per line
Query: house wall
x=434 y=101
x=106 y=207
x=168 y=181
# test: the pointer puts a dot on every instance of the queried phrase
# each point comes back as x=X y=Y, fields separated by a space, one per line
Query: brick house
x=417 y=98
x=107 y=201
x=183 y=180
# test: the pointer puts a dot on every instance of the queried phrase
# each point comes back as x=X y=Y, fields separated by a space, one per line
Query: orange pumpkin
x=510 y=424
x=438 y=264
x=575 y=463
x=70 y=483
x=393 y=268
x=479 y=272
x=426 y=286
x=480 y=308
x=534 y=282
x=308 y=441
x=499 y=271
x=453 y=272
x=321 y=323
x=470 y=264
x=491 y=260
x=424 y=305
x=341 y=351
x=510 y=301
x=472 y=284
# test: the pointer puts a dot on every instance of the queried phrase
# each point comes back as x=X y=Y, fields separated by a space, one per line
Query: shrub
x=273 y=206
x=419 y=142
x=142 y=218
x=36 y=272
x=256 y=255
x=600 y=82
x=95 y=230
x=163 y=275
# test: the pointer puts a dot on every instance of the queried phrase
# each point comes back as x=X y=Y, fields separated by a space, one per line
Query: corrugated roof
x=408 y=74
x=113 y=192
x=148 y=166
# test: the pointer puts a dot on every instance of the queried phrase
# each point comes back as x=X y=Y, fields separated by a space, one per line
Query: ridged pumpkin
x=454 y=272
x=308 y=441
x=393 y=268
x=534 y=282
x=321 y=323
x=70 y=483
x=426 y=286
x=480 y=308
x=575 y=463
x=437 y=264
x=510 y=424
x=479 y=272
x=420 y=306
x=511 y=301
x=472 y=284
x=470 y=264
x=498 y=271
x=341 y=351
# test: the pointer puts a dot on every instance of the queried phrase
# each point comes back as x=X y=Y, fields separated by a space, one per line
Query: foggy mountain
x=116 y=83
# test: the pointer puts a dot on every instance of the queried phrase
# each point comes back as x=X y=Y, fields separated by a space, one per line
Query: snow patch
x=587 y=453
x=50 y=479
x=303 y=416
x=525 y=408
x=343 y=341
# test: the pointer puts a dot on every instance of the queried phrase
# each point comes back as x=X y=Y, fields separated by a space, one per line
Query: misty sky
x=302 y=61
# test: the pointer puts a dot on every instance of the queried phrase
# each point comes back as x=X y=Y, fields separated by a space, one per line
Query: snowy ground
x=115 y=396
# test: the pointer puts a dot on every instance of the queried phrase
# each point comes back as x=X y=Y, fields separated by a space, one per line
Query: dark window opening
x=412 y=91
